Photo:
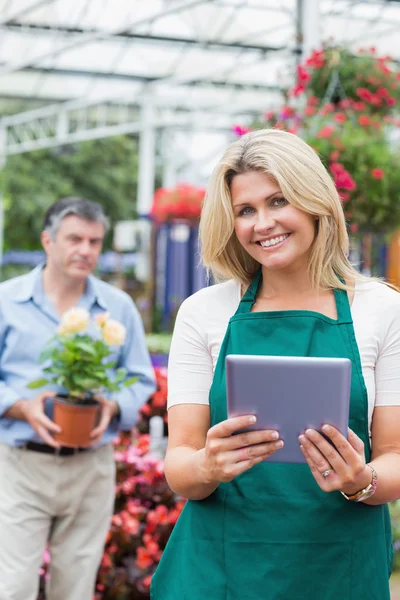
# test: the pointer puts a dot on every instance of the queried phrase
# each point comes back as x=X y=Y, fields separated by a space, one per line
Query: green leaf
x=46 y=354
x=131 y=380
x=38 y=383
x=86 y=348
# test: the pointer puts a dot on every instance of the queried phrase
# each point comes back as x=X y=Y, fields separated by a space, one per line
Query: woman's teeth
x=274 y=241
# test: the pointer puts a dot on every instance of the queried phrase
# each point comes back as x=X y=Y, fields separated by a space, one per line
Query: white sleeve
x=387 y=368
x=190 y=368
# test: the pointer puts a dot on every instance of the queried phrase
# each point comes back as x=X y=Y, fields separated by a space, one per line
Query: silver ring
x=327 y=472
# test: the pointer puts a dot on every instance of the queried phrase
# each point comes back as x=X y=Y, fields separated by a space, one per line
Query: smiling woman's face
x=272 y=231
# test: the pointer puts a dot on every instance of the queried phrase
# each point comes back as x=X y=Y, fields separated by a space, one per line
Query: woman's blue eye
x=279 y=202
x=246 y=211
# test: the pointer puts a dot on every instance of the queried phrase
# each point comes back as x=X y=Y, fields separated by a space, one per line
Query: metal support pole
x=169 y=174
x=3 y=159
x=147 y=151
x=310 y=26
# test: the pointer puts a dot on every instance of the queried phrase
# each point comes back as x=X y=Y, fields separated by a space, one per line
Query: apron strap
x=343 y=306
x=341 y=297
x=250 y=295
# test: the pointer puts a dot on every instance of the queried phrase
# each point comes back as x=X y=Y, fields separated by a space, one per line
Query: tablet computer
x=289 y=394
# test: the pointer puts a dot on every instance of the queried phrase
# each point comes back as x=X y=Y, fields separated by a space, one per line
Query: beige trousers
x=66 y=501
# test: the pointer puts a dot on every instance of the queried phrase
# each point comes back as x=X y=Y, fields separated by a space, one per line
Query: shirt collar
x=31 y=288
x=30 y=284
x=93 y=293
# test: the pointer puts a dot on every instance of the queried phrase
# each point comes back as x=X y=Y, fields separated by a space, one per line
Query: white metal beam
x=23 y=11
x=3 y=158
x=147 y=154
x=74 y=126
x=99 y=35
x=310 y=26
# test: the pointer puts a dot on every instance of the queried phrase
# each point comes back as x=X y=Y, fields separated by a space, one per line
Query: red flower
x=364 y=94
x=382 y=92
x=334 y=156
x=360 y=106
x=183 y=201
x=327 y=108
x=302 y=75
x=378 y=173
x=364 y=120
x=354 y=227
x=143 y=558
x=239 y=130
x=270 y=114
x=326 y=131
x=340 y=118
x=297 y=90
x=147 y=581
x=312 y=100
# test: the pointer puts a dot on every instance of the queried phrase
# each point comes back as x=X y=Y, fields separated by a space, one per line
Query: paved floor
x=395 y=587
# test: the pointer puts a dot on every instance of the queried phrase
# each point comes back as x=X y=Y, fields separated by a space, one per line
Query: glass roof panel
x=192 y=53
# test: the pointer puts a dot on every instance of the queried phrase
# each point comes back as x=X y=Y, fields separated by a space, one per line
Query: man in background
x=49 y=493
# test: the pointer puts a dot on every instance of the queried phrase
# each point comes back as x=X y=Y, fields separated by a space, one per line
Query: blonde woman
x=273 y=227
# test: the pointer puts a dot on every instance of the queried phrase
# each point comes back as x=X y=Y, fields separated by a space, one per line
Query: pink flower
x=326 y=131
x=239 y=130
x=364 y=120
x=334 y=155
x=378 y=173
x=340 y=118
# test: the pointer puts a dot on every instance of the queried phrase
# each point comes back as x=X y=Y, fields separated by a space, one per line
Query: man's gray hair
x=86 y=209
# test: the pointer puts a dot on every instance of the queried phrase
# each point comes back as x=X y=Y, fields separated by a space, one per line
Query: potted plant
x=77 y=361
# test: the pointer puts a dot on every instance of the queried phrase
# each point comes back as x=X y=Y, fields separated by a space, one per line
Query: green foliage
x=78 y=363
x=104 y=171
x=373 y=163
x=158 y=343
x=395 y=515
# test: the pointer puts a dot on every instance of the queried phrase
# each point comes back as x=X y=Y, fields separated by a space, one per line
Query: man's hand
x=32 y=411
x=109 y=409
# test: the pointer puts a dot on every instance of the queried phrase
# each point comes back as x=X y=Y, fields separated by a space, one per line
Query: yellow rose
x=74 y=320
x=102 y=318
x=113 y=333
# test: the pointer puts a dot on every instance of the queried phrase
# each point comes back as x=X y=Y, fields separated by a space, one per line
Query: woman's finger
x=315 y=454
x=330 y=454
x=322 y=481
x=255 y=451
x=249 y=438
x=230 y=426
x=241 y=466
x=350 y=449
x=356 y=442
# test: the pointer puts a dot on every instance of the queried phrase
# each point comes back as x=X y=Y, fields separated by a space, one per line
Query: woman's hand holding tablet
x=341 y=466
x=229 y=452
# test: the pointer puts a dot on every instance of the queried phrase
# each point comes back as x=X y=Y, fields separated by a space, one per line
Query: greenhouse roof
x=206 y=57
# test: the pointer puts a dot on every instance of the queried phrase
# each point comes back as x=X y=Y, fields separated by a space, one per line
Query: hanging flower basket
x=181 y=202
x=368 y=83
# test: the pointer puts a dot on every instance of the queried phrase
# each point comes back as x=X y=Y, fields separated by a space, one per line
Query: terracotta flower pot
x=76 y=421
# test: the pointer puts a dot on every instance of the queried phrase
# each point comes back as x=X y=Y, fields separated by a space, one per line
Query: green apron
x=272 y=533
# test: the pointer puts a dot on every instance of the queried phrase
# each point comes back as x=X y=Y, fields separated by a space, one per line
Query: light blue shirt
x=28 y=320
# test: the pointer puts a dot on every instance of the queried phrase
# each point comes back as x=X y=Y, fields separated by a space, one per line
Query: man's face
x=75 y=250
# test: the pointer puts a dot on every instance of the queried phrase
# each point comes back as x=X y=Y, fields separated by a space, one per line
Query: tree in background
x=104 y=171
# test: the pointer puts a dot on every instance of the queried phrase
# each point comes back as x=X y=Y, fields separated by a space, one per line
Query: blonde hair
x=305 y=183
